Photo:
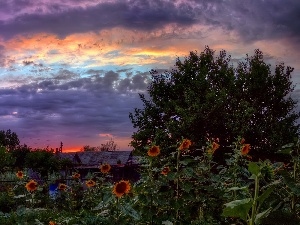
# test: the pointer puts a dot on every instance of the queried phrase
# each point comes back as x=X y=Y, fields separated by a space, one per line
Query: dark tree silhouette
x=206 y=96
x=9 y=139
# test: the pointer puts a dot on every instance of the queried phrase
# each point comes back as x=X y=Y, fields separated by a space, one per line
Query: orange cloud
x=115 y=46
x=121 y=47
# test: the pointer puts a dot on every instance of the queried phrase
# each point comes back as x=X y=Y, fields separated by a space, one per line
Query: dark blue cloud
x=269 y=19
x=134 y=14
x=252 y=20
x=66 y=103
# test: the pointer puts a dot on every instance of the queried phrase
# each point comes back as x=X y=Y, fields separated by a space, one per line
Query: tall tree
x=206 y=96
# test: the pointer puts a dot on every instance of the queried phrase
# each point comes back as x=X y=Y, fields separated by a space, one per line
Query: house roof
x=96 y=158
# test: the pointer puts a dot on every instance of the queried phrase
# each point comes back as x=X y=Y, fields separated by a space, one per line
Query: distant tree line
x=110 y=145
x=14 y=156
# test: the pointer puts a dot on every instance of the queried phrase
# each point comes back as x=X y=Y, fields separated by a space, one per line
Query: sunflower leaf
x=262 y=215
x=128 y=210
x=254 y=168
x=238 y=208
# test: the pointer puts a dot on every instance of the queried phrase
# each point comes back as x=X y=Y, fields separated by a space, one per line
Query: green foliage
x=7 y=202
x=185 y=187
x=290 y=174
x=65 y=164
x=42 y=161
x=249 y=209
x=187 y=194
x=6 y=159
x=238 y=208
x=206 y=96
x=20 y=154
x=9 y=139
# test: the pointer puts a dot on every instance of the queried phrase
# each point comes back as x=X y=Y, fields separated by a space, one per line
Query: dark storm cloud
x=253 y=20
x=137 y=14
x=101 y=104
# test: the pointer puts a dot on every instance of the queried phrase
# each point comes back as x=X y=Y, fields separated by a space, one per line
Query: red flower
x=20 y=174
x=31 y=185
x=213 y=147
x=62 y=187
x=76 y=176
x=154 y=151
x=185 y=144
x=245 y=149
x=90 y=183
x=165 y=170
x=242 y=141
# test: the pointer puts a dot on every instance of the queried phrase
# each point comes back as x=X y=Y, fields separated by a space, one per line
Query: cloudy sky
x=71 y=70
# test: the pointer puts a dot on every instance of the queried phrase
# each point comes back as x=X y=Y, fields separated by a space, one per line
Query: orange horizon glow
x=71 y=150
x=75 y=145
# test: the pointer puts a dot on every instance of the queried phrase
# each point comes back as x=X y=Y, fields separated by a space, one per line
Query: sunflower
x=242 y=141
x=52 y=223
x=90 y=183
x=20 y=174
x=105 y=168
x=76 y=176
x=165 y=170
x=154 y=151
x=245 y=149
x=213 y=147
x=185 y=144
x=62 y=187
x=31 y=185
x=121 y=188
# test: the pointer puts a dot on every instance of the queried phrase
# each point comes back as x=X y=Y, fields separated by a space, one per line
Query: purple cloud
x=143 y=15
x=253 y=20
x=60 y=106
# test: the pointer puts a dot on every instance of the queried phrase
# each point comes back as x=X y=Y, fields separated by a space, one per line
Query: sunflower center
x=105 y=167
x=153 y=150
x=32 y=185
x=121 y=187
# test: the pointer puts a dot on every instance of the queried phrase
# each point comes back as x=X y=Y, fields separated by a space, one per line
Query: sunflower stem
x=31 y=201
x=254 y=204
x=293 y=203
x=151 y=189
x=118 y=212
x=177 y=183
